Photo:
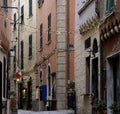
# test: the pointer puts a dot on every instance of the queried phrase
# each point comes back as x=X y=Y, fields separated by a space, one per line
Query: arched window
x=41 y=77
x=95 y=47
x=49 y=80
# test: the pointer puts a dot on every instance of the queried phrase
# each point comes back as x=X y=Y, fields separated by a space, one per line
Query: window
x=88 y=75
x=30 y=8
x=40 y=3
x=49 y=27
x=87 y=43
x=22 y=14
x=5 y=3
x=14 y=60
x=4 y=79
x=109 y=6
x=49 y=81
x=14 y=26
x=41 y=36
x=95 y=47
x=30 y=45
x=40 y=77
x=22 y=55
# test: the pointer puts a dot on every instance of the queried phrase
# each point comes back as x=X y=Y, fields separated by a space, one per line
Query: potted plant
x=115 y=108
x=100 y=106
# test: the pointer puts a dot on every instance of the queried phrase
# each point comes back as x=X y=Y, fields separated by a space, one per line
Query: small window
x=30 y=8
x=87 y=43
x=49 y=27
x=41 y=77
x=41 y=36
x=22 y=14
x=95 y=47
x=109 y=6
x=49 y=80
x=40 y=3
x=5 y=4
x=22 y=55
x=30 y=46
x=14 y=60
x=88 y=75
x=14 y=25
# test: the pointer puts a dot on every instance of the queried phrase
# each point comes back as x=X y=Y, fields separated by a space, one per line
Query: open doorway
x=114 y=63
x=95 y=78
x=113 y=79
x=0 y=87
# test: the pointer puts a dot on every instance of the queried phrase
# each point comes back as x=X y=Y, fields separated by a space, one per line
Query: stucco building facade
x=23 y=86
x=54 y=57
x=5 y=37
x=87 y=55
x=110 y=41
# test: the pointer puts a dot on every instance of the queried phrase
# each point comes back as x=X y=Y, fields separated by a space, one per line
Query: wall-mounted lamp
x=12 y=53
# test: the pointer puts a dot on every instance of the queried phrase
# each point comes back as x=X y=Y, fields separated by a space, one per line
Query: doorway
x=113 y=79
x=95 y=78
x=0 y=87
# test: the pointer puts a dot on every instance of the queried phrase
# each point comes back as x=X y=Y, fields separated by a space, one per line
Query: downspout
x=68 y=40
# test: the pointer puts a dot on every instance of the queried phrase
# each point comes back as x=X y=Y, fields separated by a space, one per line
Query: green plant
x=71 y=85
x=100 y=106
x=115 y=108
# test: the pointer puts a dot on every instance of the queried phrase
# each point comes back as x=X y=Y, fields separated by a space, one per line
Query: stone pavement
x=47 y=112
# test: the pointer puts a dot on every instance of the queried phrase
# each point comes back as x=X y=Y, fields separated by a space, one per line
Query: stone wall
x=61 y=56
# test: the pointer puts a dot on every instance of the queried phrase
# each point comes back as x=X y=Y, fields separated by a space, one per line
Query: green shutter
x=109 y=6
x=30 y=45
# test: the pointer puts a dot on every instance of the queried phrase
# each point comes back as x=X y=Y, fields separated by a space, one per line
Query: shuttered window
x=30 y=8
x=40 y=3
x=30 y=45
x=5 y=3
x=88 y=75
x=22 y=14
x=14 y=26
x=109 y=6
x=14 y=60
x=41 y=36
x=22 y=55
x=49 y=27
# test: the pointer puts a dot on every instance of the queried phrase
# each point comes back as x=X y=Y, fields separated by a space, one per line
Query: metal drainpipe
x=68 y=40
x=18 y=33
x=18 y=47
